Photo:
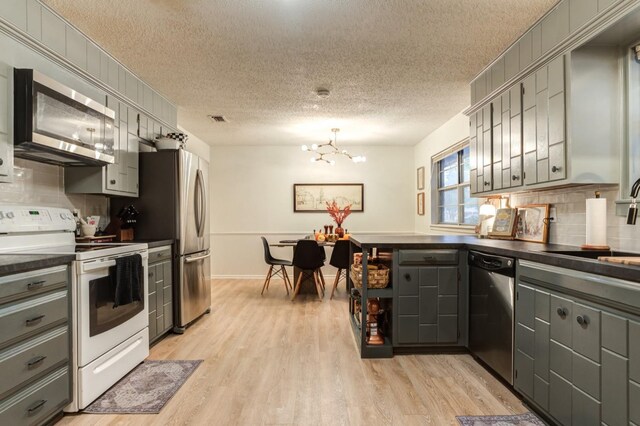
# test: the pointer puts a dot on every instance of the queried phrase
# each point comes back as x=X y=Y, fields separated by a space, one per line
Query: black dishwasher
x=491 y=290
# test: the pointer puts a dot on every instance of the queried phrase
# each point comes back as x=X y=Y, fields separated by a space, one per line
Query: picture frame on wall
x=504 y=224
x=533 y=223
x=421 y=203
x=420 y=177
x=313 y=197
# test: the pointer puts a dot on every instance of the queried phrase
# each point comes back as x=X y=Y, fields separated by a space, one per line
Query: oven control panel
x=14 y=218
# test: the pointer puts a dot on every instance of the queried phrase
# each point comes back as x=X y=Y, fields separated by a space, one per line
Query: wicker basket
x=376 y=278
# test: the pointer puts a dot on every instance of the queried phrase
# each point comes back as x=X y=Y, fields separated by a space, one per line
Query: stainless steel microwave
x=55 y=124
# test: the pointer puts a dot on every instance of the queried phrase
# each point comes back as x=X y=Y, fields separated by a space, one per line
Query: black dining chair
x=308 y=257
x=340 y=259
x=276 y=267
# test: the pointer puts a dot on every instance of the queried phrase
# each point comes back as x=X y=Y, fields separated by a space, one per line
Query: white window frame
x=436 y=189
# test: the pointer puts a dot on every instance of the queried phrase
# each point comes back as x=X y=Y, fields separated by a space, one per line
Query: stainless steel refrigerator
x=173 y=204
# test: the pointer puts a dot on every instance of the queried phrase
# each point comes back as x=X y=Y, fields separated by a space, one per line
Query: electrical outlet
x=553 y=215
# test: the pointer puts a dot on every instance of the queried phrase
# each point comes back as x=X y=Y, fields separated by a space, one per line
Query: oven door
x=100 y=326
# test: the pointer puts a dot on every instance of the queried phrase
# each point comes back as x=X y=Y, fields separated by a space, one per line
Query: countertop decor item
x=533 y=223
x=330 y=149
x=486 y=218
x=338 y=215
x=313 y=197
x=504 y=223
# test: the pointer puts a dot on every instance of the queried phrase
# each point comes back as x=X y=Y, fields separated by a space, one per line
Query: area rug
x=146 y=389
x=526 y=419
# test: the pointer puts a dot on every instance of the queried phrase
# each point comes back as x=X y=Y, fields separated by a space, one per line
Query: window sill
x=458 y=229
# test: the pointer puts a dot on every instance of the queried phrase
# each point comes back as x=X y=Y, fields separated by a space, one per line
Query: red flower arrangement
x=336 y=213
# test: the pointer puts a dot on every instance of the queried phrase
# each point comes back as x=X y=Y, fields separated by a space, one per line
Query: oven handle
x=195 y=259
x=94 y=266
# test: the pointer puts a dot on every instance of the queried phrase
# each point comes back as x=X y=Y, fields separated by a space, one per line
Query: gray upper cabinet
x=581 y=12
x=566 y=21
x=76 y=48
x=34 y=19
x=94 y=61
x=15 y=12
x=54 y=32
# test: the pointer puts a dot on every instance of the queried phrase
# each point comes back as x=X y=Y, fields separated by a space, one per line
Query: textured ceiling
x=397 y=70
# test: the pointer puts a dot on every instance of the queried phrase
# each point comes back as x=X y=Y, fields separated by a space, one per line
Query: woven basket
x=376 y=278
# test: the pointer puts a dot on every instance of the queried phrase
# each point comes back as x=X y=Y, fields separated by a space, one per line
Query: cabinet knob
x=112 y=181
x=487 y=183
x=1 y=161
x=555 y=169
x=562 y=312
x=407 y=277
x=515 y=177
x=583 y=320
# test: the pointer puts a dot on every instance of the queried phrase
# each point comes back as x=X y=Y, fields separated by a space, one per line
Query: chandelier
x=329 y=149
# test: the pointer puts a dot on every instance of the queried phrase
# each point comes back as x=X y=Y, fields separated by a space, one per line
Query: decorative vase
x=339 y=231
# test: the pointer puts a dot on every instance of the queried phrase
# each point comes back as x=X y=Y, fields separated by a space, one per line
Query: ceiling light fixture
x=330 y=148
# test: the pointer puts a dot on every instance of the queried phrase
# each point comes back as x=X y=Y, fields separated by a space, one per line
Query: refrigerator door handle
x=197 y=204
x=202 y=209
x=196 y=258
x=204 y=202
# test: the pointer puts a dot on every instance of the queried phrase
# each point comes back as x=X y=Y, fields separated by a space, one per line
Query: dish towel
x=127 y=280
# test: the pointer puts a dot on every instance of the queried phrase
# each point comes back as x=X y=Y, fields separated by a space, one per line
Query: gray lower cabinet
x=576 y=360
x=160 y=292
x=426 y=294
x=35 y=346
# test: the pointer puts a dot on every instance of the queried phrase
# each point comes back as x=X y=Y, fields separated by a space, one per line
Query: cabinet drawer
x=26 y=361
x=561 y=320
x=159 y=254
x=32 y=315
x=33 y=282
x=36 y=403
x=586 y=331
x=428 y=257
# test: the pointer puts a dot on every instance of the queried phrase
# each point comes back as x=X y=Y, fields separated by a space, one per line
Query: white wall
x=252 y=195
x=450 y=133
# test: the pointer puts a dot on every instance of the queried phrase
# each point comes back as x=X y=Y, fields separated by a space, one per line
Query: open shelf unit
x=358 y=306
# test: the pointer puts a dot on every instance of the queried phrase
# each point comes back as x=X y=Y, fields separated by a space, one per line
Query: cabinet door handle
x=555 y=169
x=562 y=312
x=35 y=361
x=515 y=177
x=35 y=406
x=583 y=320
x=35 y=284
x=34 y=320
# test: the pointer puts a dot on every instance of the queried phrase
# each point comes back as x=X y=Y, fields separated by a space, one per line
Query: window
x=452 y=194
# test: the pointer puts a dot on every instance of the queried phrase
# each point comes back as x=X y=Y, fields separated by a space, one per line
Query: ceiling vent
x=218 y=118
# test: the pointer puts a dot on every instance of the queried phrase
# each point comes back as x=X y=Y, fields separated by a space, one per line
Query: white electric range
x=108 y=342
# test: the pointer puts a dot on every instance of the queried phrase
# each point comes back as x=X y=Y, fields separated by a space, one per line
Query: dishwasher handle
x=498 y=264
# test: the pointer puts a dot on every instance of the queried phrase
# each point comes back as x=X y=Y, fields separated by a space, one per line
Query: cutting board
x=621 y=259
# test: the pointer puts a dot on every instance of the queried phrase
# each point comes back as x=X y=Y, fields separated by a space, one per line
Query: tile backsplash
x=570 y=204
x=41 y=184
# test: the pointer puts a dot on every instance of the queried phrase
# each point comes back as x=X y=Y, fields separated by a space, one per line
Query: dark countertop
x=152 y=243
x=518 y=249
x=16 y=263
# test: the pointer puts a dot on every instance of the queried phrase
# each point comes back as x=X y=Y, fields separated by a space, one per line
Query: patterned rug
x=526 y=419
x=146 y=389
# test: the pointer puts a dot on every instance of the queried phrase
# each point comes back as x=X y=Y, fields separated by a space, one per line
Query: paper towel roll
x=596 y=222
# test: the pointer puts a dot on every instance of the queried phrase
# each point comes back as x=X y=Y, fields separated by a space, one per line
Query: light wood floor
x=268 y=360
